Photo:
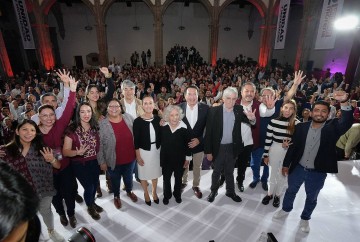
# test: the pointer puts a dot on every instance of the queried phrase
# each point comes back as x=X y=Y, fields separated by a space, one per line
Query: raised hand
x=47 y=153
x=250 y=114
x=81 y=151
x=64 y=76
x=105 y=71
x=340 y=96
x=298 y=77
x=73 y=84
x=269 y=101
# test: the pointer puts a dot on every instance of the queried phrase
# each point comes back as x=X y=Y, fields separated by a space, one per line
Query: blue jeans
x=124 y=171
x=314 y=182
x=255 y=164
x=88 y=175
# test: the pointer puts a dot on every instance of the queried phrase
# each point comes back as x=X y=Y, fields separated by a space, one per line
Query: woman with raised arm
x=92 y=96
x=64 y=178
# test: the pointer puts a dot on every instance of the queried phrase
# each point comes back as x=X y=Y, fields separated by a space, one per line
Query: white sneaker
x=55 y=236
x=304 y=226
x=279 y=214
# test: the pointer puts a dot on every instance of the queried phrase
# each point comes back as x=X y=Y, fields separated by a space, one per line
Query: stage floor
x=336 y=217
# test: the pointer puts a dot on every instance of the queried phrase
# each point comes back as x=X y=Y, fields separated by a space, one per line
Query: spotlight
x=347 y=23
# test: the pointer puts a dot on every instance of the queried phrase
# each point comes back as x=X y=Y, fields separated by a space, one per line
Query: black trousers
x=224 y=162
x=64 y=185
x=242 y=162
x=167 y=171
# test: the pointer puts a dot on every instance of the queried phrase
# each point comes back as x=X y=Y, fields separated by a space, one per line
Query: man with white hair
x=130 y=104
x=224 y=142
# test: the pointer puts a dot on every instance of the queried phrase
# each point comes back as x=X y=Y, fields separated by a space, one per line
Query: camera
x=82 y=235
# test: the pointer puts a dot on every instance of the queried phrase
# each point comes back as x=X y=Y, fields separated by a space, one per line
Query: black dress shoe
x=178 y=200
x=63 y=220
x=264 y=186
x=72 y=221
x=166 y=201
x=241 y=187
x=253 y=184
x=212 y=196
x=266 y=199
x=234 y=197
x=92 y=212
x=98 y=208
x=78 y=198
x=276 y=202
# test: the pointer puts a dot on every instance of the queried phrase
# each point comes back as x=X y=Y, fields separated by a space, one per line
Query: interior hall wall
x=77 y=41
x=235 y=42
x=123 y=40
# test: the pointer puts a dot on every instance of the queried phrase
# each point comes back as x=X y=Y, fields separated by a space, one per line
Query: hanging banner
x=284 y=10
x=24 y=24
x=326 y=35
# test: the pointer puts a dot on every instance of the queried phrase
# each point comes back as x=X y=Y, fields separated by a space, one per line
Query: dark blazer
x=141 y=131
x=214 y=130
x=325 y=160
x=174 y=147
x=198 y=130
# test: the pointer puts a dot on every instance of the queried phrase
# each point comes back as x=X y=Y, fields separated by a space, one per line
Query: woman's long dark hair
x=15 y=145
x=19 y=203
x=77 y=123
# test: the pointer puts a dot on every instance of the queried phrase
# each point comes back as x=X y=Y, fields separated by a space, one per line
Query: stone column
x=214 y=38
x=101 y=34
x=308 y=31
x=158 y=33
x=44 y=46
x=214 y=33
x=102 y=41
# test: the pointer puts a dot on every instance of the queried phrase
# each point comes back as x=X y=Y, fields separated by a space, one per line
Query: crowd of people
x=180 y=55
x=158 y=121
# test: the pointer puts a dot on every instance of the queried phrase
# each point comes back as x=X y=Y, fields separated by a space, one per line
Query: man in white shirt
x=195 y=120
x=130 y=103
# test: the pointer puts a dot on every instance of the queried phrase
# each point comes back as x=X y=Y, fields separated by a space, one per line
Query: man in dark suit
x=195 y=120
x=223 y=141
x=312 y=155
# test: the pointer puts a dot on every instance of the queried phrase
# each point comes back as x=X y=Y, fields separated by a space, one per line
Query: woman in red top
x=81 y=143
x=117 y=152
x=64 y=179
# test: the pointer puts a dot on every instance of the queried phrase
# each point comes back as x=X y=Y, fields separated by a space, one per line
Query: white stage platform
x=336 y=217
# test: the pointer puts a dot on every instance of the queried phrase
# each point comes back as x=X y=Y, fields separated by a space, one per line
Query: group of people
x=119 y=128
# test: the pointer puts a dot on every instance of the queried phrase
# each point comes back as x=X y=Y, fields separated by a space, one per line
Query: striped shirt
x=277 y=132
